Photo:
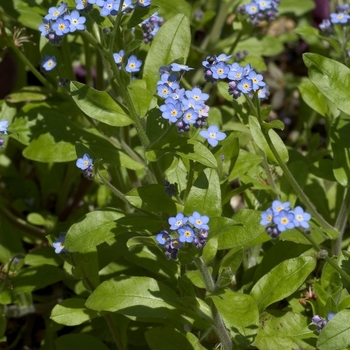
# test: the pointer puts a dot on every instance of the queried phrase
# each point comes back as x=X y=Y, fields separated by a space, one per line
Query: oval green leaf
x=282 y=281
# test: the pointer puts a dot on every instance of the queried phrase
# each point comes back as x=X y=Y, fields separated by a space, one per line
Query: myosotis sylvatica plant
x=171 y=178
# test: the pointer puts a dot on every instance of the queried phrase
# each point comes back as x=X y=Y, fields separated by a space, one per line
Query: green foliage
x=128 y=222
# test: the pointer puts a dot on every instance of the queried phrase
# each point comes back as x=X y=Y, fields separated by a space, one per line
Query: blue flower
x=76 y=21
x=59 y=243
x=262 y=93
x=3 y=126
x=301 y=218
x=341 y=18
x=144 y=3
x=330 y=316
x=264 y=4
x=176 y=222
x=220 y=70
x=252 y=8
x=213 y=135
x=110 y=7
x=84 y=163
x=170 y=79
x=81 y=4
x=197 y=95
x=236 y=72
x=284 y=220
x=127 y=5
x=61 y=26
x=199 y=221
x=175 y=67
x=223 y=57
x=164 y=90
x=118 y=57
x=45 y=27
x=266 y=217
x=257 y=80
x=55 y=12
x=48 y=63
x=245 y=85
x=186 y=234
x=171 y=110
x=190 y=116
x=133 y=64
x=163 y=237
x=277 y=206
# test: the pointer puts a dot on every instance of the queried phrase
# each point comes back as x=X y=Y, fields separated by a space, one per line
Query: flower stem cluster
x=320 y=322
x=279 y=218
x=341 y=16
x=260 y=10
x=60 y=21
x=241 y=80
x=183 y=107
x=85 y=164
x=3 y=130
x=193 y=229
x=150 y=27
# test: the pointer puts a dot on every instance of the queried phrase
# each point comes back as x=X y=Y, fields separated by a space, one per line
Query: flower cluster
x=3 y=130
x=193 y=229
x=86 y=165
x=280 y=218
x=183 y=107
x=320 y=322
x=60 y=21
x=260 y=10
x=133 y=64
x=340 y=17
x=110 y=7
x=150 y=27
x=241 y=80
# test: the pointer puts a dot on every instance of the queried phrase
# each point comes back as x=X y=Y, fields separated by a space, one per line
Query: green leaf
x=289 y=6
x=263 y=46
x=244 y=163
x=79 y=341
x=196 y=278
x=316 y=100
x=42 y=256
x=170 y=10
x=282 y=281
x=340 y=143
x=329 y=77
x=240 y=315
x=36 y=277
x=151 y=198
x=141 y=97
x=140 y=14
x=185 y=148
x=259 y=138
x=99 y=105
x=72 y=312
x=167 y=338
x=93 y=229
x=171 y=43
x=242 y=232
x=336 y=334
x=27 y=94
x=205 y=194
x=287 y=328
x=141 y=297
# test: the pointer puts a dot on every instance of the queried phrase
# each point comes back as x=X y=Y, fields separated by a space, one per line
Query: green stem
x=341 y=222
x=88 y=64
x=327 y=258
x=67 y=59
x=21 y=224
x=189 y=180
x=302 y=196
x=27 y=63
x=219 y=326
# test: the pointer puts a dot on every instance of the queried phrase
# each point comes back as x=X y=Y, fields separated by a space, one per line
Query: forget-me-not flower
x=213 y=135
